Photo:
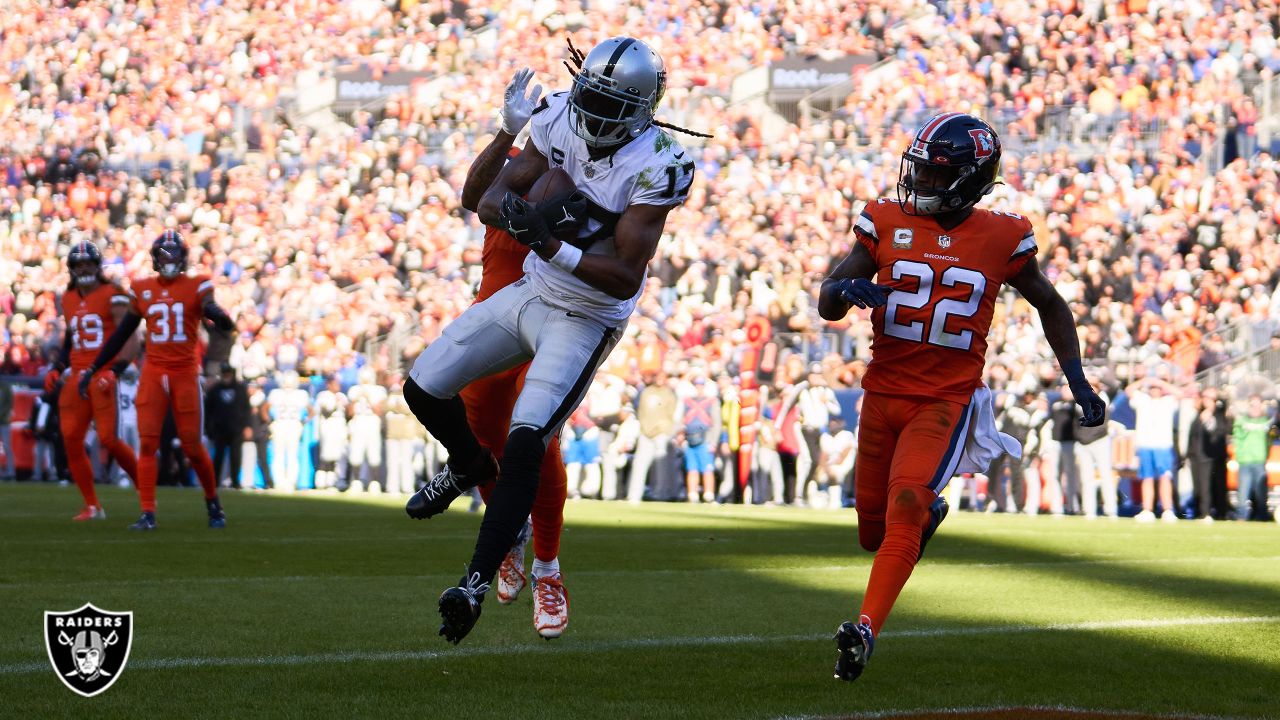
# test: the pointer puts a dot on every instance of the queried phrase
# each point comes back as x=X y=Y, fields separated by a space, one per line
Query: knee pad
x=908 y=505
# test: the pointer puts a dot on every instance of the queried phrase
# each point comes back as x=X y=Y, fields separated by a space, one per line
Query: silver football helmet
x=616 y=91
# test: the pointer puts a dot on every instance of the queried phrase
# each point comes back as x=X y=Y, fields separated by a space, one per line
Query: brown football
x=553 y=183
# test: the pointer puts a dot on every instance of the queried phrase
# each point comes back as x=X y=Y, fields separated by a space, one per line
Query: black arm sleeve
x=117 y=340
x=65 y=358
x=220 y=318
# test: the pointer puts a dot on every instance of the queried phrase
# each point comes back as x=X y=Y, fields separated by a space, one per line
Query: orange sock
x=85 y=483
x=148 y=469
x=203 y=466
x=907 y=514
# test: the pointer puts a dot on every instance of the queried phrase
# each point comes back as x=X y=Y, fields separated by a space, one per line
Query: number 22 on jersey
x=943 y=308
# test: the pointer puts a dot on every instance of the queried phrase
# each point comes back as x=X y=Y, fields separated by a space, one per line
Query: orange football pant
x=489 y=403
x=158 y=390
x=907 y=451
x=102 y=409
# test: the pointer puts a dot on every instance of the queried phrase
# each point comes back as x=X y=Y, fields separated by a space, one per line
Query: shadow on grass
x=303 y=576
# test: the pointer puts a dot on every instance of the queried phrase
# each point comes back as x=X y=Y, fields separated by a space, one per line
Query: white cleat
x=1168 y=516
x=550 y=606
x=511 y=577
x=91 y=512
x=1146 y=516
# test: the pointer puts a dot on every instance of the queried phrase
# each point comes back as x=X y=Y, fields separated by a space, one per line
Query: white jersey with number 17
x=652 y=169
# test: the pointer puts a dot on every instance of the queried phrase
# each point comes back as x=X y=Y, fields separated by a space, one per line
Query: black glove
x=564 y=215
x=85 y=378
x=523 y=222
x=863 y=293
x=1093 y=409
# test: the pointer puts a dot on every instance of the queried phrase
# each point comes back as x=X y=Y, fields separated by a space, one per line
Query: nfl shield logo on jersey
x=902 y=238
x=88 y=647
x=146 y=294
x=944 y=241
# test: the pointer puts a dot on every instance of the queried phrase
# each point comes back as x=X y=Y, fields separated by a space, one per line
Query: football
x=551 y=184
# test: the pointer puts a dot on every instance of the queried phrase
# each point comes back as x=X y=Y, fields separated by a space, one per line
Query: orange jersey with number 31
x=930 y=338
x=90 y=321
x=173 y=310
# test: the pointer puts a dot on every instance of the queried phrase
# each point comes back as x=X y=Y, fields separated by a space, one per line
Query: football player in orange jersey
x=92 y=307
x=490 y=401
x=173 y=304
x=940 y=263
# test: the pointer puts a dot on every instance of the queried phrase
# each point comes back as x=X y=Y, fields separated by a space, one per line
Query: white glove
x=517 y=107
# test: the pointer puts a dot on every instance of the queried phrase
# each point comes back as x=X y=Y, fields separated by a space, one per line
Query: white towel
x=985 y=442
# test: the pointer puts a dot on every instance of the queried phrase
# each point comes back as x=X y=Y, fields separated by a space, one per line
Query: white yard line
x=961 y=712
x=571 y=647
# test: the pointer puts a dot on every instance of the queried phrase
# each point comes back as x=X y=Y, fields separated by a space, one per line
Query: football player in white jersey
x=572 y=305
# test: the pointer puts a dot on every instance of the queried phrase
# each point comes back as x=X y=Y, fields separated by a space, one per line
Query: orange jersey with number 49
x=90 y=321
x=173 y=310
x=930 y=338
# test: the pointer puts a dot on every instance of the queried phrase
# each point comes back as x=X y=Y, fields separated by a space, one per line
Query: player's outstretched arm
x=517 y=107
x=850 y=284
x=485 y=168
x=516 y=177
x=132 y=346
x=220 y=318
x=1060 y=331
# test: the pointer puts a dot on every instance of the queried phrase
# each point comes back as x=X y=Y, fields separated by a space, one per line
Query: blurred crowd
x=1132 y=140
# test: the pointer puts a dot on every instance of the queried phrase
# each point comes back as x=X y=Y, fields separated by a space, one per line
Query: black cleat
x=937 y=513
x=145 y=523
x=460 y=607
x=439 y=493
x=854 y=643
x=217 y=518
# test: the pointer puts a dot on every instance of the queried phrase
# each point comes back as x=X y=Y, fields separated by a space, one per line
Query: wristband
x=566 y=258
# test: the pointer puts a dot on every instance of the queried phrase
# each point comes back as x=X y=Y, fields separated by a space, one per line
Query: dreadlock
x=686 y=131
x=574 y=65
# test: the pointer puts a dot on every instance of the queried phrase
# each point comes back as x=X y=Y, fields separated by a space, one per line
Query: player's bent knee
x=522 y=455
x=908 y=504
x=422 y=403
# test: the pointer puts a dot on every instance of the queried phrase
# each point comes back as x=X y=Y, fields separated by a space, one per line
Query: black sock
x=510 y=503
x=446 y=420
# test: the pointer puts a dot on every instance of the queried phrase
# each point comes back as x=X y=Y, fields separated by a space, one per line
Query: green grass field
x=317 y=607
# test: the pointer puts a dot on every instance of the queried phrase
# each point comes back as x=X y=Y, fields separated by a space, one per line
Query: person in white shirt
x=331 y=411
x=1155 y=407
x=288 y=406
x=367 y=401
x=837 y=449
x=619 y=449
x=127 y=422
